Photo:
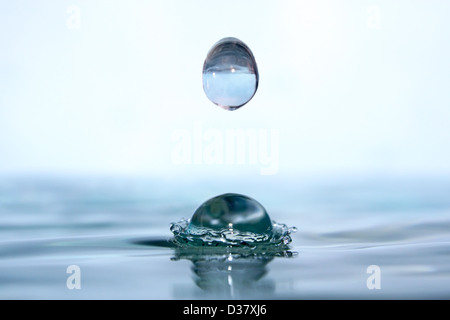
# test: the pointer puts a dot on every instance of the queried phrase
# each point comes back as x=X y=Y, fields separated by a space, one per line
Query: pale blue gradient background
x=106 y=98
x=88 y=116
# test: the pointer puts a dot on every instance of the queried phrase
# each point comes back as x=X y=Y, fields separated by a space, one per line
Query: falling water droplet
x=231 y=219
x=230 y=74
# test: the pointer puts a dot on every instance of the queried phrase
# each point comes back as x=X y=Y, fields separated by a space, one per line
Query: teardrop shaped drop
x=230 y=74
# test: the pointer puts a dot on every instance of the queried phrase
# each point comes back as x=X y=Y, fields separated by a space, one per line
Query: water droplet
x=230 y=74
x=232 y=212
x=230 y=220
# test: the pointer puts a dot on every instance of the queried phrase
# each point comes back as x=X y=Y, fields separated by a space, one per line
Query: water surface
x=117 y=231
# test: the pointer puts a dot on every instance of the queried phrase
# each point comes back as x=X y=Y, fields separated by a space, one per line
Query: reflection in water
x=227 y=272
x=231 y=274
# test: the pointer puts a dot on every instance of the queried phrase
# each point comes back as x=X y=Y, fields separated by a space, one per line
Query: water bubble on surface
x=230 y=74
x=231 y=220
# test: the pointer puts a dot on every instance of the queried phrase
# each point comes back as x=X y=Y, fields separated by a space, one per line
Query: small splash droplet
x=230 y=74
x=231 y=220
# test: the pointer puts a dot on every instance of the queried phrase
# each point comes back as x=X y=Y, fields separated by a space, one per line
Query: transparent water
x=230 y=74
x=117 y=230
x=232 y=211
x=235 y=220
